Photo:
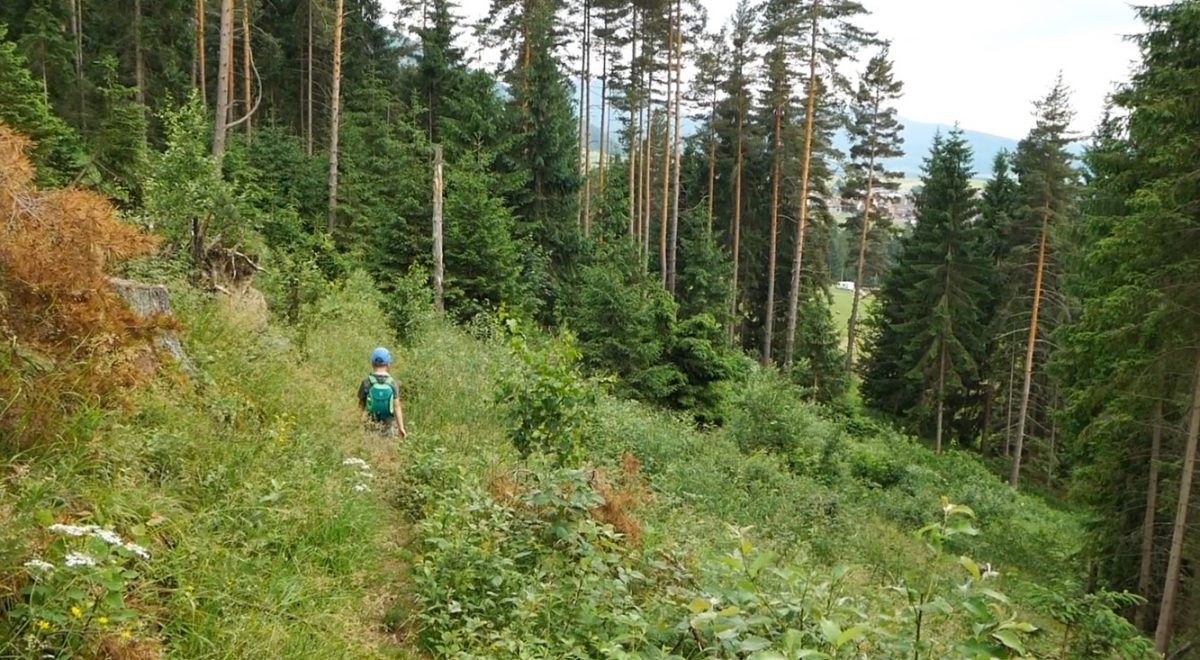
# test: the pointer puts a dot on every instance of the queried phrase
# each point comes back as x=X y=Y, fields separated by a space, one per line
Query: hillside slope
x=787 y=531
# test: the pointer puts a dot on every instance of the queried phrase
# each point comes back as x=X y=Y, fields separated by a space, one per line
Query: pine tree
x=1046 y=189
x=831 y=37
x=875 y=137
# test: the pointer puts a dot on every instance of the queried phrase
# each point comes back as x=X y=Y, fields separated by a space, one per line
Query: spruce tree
x=929 y=334
x=1130 y=362
x=58 y=152
x=875 y=137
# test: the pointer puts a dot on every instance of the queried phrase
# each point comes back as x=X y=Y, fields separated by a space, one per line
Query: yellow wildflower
x=43 y=625
x=102 y=620
x=125 y=634
x=76 y=612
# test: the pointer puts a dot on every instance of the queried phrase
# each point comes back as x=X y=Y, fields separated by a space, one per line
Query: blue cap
x=380 y=356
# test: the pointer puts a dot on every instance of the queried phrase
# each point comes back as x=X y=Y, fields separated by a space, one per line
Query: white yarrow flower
x=71 y=530
x=362 y=488
x=357 y=462
x=39 y=565
x=79 y=559
x=138 y=550
x=108 y=536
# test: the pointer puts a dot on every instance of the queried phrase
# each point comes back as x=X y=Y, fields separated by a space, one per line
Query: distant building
x=846 y=285
x=899 y=205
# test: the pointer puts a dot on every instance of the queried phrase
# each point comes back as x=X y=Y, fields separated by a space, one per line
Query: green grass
x=261 y=547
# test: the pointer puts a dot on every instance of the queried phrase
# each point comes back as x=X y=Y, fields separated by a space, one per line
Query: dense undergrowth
x=791 y=532
x=622 y=532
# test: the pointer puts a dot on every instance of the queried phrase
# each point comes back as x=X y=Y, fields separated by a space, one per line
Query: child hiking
x=379 y=397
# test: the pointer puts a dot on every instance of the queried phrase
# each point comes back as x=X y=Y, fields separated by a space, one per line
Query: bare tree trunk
x=439 y=298
x=941 y=395
x=664 y=210
x=985 y=437
x=603 y=107
x=1012 y=379
x=201 y=49
x=647 y=182
x=1145 y=573
x=77 y=33
x=1014 y=478
x=673 y=240
x=712 y=157
x=335 y=113
x=246 y=55
x=224 y=70
x=737 y=214
x=308 y=118
x=805 y=174
x=1166 y=613
x=864 y=232
x=584 y=102
x=635 y=133
x=139 y=58
x=769 y=317
x=587 y=121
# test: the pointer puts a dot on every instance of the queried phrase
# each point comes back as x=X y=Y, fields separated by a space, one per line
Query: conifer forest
x=691 y=366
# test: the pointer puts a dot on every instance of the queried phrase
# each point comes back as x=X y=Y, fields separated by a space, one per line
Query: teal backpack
x=381 y=405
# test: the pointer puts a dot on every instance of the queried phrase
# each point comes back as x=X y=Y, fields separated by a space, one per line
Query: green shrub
x=875 y=466
x=545 y=398
x=769 y=415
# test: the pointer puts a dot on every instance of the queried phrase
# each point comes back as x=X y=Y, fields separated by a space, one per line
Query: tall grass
x=261 y=545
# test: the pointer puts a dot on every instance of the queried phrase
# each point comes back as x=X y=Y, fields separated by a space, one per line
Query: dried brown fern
x=54 y=248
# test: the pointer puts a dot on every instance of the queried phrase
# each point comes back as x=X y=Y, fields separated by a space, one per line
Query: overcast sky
x=982 y=62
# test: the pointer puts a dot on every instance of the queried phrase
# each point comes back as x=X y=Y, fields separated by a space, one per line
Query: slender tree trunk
x=587 y=122
x=635 y=132
x=1012 y=379
x=77 y=33
x=439 y=298
x=737 y=214
x=805 y=174
x=941 y=395
x=985 y=437
x=864 y=232
x=664 y=210
x=308 y=118
x=1145 y=573
x=603 y=107
x=769 y=317
x=1166 y=612
x=584 y=102
x=1014 y=478
x=335 y=113
x=201 y=48
x=246 y=55
x=139 y=58
x=647 y=181
x=673 y=240
x=712 y=158
x=224 y=71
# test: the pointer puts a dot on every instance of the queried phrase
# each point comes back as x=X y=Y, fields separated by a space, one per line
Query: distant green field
x=842 y=302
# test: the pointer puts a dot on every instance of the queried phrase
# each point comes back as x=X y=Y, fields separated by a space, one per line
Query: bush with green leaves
x=545 y=398
x=769 y=414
